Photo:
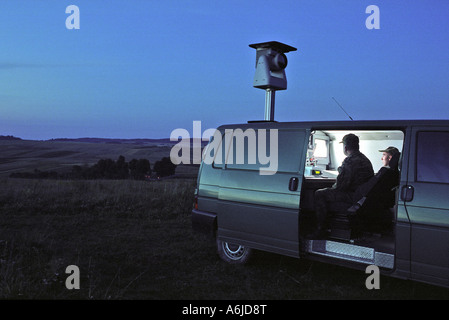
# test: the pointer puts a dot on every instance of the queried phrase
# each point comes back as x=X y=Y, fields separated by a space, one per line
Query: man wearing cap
x=387 y=154
x=390 y=178
x=355 y=170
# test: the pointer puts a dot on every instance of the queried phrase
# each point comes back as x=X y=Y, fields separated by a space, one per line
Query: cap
x=350 y=139
x=391 y=150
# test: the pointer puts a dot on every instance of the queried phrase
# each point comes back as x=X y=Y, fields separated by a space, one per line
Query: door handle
x=407 y=193
x=293 y=184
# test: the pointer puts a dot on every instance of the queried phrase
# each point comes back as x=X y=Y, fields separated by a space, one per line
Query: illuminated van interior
x=325 y=152
x=325 y=155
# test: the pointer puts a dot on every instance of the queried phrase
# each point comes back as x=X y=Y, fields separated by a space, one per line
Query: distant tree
x=76 y=173
x=106 y=168
x=138 y=169
x=9 y=138
x=103 y=169
x=122 y=168
x=164 y=167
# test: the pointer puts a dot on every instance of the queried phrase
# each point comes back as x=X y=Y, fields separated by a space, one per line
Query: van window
x=321 y=150
x=217 y=152
x=245 y=151
x=432 y=157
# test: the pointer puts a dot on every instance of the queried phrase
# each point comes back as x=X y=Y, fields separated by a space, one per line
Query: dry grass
x=133 y=240
x=107 y=228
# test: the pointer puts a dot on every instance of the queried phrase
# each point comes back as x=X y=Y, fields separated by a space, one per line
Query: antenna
x=342 y=109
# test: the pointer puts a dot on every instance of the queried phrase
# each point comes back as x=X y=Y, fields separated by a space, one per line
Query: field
x=132 y=240
x=61 y=156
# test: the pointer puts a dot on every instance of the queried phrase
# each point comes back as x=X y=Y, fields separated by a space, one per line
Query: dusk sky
x=143 y=68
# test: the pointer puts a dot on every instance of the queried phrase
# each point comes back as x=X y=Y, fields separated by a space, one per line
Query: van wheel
x=233 y=253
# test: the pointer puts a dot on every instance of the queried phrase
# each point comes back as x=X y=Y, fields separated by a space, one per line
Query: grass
x=112 y=230
x=133 y=240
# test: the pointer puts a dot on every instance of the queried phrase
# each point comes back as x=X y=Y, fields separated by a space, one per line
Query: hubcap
x=233 y=251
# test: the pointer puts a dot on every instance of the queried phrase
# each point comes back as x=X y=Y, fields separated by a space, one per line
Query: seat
x=339 y=224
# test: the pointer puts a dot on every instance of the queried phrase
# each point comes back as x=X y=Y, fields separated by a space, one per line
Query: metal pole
x=269 y=104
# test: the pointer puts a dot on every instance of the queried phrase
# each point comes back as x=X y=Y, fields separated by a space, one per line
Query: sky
x=141 y=69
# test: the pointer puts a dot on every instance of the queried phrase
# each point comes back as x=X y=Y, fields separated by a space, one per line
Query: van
x=247 y=203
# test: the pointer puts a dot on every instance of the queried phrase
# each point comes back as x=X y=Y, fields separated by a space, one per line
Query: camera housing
x=271 y=62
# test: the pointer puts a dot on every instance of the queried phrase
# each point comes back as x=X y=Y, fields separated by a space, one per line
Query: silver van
x=256 y=185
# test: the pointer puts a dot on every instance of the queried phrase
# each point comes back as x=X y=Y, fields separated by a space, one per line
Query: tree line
x=137 y=169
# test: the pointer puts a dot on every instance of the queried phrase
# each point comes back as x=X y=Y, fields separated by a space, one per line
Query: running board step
x=349 y=252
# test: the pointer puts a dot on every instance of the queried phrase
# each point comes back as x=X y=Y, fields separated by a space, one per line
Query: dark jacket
x=355 y=170
x=382 y=195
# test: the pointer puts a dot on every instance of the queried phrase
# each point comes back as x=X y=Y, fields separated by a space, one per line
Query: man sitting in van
x=391 y=175
x=380 y=189
x=355 y=170
x=378 y=194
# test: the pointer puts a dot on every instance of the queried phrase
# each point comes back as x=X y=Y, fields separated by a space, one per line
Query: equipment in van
x=271 y=62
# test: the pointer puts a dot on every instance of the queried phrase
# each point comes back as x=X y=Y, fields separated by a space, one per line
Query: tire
x=233 y=253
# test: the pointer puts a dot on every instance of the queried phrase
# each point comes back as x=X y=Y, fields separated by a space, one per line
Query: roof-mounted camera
x=271 y=62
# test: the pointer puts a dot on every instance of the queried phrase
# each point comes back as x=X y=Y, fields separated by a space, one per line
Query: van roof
x=353 y=125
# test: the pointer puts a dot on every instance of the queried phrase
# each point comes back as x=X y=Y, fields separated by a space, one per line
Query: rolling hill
x=17 y=155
